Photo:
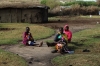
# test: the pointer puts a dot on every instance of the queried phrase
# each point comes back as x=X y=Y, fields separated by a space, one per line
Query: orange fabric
x=58 y=46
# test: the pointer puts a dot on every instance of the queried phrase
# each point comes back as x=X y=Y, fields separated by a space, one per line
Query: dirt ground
x=41 y=56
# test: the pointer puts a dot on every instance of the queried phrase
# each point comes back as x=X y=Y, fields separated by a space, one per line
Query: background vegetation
x=72 y=8
x=51 y=3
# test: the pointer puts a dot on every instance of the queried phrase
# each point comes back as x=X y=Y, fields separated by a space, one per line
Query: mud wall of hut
x=18 y=15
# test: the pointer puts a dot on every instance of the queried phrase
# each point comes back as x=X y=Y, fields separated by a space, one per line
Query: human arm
x=31 y=37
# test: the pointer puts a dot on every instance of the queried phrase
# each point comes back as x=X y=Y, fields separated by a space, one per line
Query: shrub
x=43 y=2
x=92 y=10
x=76 y=10
x=81 y=3
x=50 y=3
x=98 y=3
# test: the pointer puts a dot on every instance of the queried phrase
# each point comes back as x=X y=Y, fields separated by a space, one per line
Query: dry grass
x=18 y=2
x=6 y=1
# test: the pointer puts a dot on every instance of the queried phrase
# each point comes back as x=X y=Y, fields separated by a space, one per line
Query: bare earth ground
x=41 y=56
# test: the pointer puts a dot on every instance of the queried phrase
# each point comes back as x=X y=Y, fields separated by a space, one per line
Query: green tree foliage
x=43 y=2
x=50 y=3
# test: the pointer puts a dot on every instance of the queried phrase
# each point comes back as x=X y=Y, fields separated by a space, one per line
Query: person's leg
x=51 y=43
x=64 y=49
x=65 y=42
x=38 y=45
x=41 y=44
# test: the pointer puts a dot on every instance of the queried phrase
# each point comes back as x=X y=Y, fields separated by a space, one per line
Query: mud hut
x=23 y=12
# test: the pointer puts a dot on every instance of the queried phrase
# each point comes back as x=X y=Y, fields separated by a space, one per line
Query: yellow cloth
x=64 y=36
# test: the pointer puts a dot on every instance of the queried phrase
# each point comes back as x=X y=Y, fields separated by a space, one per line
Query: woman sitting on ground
x=68 y=33
x=61 y=44
x=28 y=39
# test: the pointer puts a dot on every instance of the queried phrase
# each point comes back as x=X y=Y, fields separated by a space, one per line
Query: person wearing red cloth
x=68 y=33
x=28 y=39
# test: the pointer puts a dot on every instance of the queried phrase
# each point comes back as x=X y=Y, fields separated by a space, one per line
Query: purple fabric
x=25 y=40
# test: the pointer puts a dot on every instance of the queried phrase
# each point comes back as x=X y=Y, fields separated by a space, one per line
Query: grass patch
x=10 y=59
x=92 y=16
x=86 y=39
x=13 y=36
x=77 y=60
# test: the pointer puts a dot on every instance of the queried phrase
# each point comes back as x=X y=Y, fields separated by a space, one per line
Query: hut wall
x=45 y=19
x=19 y=15
x=13 y=15
x=5 y=15
x=26 y=15
x=31 y=15
x=36 y=16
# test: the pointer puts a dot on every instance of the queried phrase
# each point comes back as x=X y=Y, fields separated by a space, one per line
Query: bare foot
x=41 y=44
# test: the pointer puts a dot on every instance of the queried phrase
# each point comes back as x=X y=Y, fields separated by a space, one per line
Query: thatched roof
x=22 y=5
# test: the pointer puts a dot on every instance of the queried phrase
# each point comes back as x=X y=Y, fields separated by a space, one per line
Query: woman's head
x=61 y=30
x=27 y=29
x=66 y=28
